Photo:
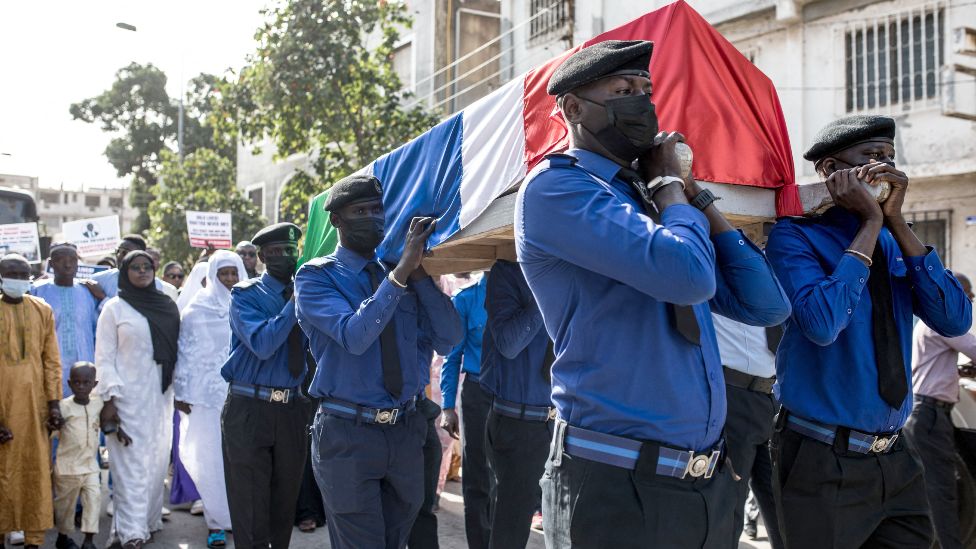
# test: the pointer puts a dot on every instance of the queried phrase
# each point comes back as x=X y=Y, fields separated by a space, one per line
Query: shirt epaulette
x=320 y=262
x=243 y=285
x=561 y=160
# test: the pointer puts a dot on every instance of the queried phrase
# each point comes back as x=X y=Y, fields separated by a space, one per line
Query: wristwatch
x=703 y=199
x=657 y=184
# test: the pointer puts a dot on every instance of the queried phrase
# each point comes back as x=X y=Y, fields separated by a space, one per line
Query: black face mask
x=363 y=235
x=632 y=125
x=281 y=267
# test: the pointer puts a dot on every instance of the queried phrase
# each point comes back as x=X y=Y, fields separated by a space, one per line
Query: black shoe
x=64 y=542
x=751 y=529
x=88 y=545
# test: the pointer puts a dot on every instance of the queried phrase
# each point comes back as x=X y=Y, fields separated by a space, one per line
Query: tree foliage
x=204 y=181
x=143 y=117
x=322 y=83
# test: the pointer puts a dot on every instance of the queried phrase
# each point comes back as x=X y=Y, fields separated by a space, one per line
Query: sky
x=56 y=53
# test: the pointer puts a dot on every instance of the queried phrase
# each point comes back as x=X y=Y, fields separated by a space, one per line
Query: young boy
x=76 y=468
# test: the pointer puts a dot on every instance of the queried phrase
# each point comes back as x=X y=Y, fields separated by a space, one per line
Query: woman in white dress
x=200 y=390
x=135 y=352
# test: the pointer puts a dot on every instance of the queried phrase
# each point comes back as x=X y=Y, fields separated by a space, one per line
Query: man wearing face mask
x=30 y=395
x=637 y=456
x=372 y=328
x=843 y=475
x=264 y=417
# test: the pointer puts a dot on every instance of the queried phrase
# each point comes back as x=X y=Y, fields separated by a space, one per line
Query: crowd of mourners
x=627 y=382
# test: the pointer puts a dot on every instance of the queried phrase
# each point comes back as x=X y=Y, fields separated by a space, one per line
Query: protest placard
x=207 y=229
x=84 y=271
x=20 y=238
x=93 y=236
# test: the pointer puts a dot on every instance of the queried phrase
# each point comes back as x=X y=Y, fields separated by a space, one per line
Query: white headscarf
x=193 y=285
x=205 y=336
x=216 y=297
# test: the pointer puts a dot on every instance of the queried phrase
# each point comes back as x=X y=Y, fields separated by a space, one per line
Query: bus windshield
x=16 y=207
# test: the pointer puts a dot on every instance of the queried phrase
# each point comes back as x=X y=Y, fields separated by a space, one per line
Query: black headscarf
x=160 y=311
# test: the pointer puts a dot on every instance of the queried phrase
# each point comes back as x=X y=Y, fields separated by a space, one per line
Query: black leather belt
x=935 y=403
x=743 y=380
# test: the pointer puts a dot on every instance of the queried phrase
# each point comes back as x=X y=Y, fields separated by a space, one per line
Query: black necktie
x=774 y=334
x=892 y=380
x=547 y=361
x=392 y=375
x=683 y=317
x=296 y=346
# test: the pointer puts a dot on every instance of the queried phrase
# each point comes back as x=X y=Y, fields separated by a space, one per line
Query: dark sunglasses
x=180 y=276
x=142 y=268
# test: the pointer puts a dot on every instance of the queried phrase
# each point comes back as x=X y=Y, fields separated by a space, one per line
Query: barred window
x=549 y=17
x=894 y=60
x=932 y=228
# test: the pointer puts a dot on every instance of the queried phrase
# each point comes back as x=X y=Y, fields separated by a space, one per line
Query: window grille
x=932 y=228
x=895 y=59
x=549 y=17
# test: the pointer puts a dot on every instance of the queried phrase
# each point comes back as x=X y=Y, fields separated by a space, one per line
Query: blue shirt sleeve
x=451 y=369
x=672 y=262
x=261 y=334
x=822 y=303
x=937 y=297
x=513 y=323
x=746 y=288
x=322 y=306
x=440 y=325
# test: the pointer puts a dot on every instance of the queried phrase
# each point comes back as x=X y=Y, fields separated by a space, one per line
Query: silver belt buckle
x=701 y=465
x=881 y=445
x=552 y=414
x=280 y=395
x=386 y=416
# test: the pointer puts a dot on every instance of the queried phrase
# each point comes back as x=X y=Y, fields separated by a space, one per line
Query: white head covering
x=193 y=284
x=216 y=296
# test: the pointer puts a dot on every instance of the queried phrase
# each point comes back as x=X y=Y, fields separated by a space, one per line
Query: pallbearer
x=371 y=328
x=855 y=277
x=638 y=458
x=516 y=355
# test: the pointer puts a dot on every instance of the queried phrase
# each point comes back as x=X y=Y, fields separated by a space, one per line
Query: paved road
x=185 y=531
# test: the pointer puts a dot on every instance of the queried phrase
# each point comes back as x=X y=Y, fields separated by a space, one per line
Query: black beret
x=351 y=189
x=600 y=60
x=850 y=130
x=288 y=233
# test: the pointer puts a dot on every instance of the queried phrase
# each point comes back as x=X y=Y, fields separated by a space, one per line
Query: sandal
x=217 y=538
x=308 y=526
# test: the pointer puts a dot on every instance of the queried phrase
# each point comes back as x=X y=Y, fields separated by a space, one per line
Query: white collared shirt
x=743 y=347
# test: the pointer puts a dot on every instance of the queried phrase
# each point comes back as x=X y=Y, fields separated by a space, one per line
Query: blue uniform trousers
x=371 y=477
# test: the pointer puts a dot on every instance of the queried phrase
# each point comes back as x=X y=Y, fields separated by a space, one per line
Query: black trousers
x=517 y=453
x=423 y=535
x=475 y=476
x=371 y=477
x=748 y=428
x=930 y=432
x=309 y=498
x=591 y=505
x=831 y=498
x=265 y=445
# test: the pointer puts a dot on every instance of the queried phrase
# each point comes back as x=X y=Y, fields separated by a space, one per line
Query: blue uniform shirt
x=260 y=321
x=515 y=341
x=603 y=272
x=343 y=318
x=470 y=305
x=825 y=365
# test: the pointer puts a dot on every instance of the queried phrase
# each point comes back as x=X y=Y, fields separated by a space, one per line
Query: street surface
x=185 y=531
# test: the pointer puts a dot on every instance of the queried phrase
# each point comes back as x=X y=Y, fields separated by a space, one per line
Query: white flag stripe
x=492 y=148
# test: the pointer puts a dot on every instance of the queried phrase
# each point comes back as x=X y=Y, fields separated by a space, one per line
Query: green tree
x=204 y=181
x=322 y=83
x=143 y=117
